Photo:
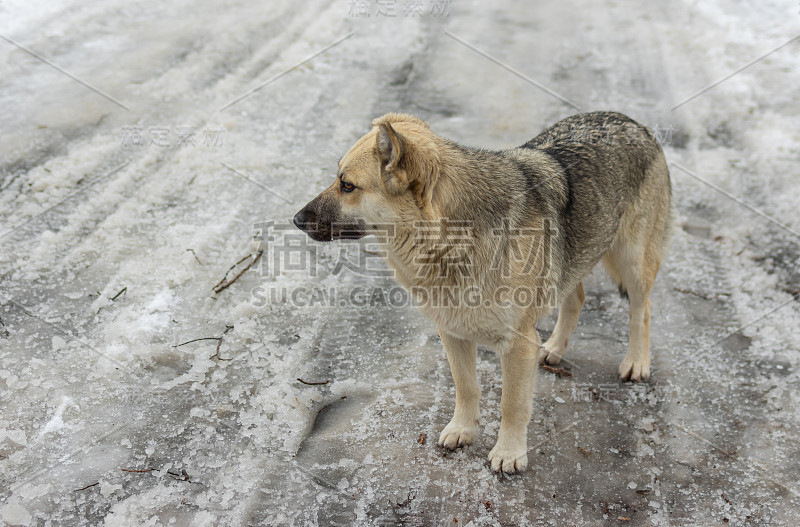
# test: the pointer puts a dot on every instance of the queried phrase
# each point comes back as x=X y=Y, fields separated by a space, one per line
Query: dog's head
x=386 y=178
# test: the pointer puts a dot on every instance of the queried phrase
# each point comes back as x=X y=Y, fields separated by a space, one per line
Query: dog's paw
x=550 y=354
x=509 y=460
x=633 y=370
x=456 y=435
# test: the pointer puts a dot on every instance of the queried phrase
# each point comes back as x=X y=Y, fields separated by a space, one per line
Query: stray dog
x=492 y=240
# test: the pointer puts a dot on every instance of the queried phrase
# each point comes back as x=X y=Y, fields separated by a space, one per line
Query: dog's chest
x=461 y=307
x=490 y=326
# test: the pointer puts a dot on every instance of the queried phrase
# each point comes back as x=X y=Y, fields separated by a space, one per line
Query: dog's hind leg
x=463 y=427
x=633 y=262
x=555 y=347
x=634 y=258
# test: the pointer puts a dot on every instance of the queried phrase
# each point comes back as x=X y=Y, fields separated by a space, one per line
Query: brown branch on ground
x=409 y=498
x=183 y=476
x=87 y=487
x=225 y=283
x=218 y=339
x=422 y=437
x=558 y=371
x=195 y=255
x=219 y=343
x=195 y=340
x=313 y=383
x=690 y=292
x=122 y=291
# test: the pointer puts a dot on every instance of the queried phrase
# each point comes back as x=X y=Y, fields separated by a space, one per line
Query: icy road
x=173 y=353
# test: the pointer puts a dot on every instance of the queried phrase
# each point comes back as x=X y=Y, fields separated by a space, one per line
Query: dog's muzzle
x=321 y=224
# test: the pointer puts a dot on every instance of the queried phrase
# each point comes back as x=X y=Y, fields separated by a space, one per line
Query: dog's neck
x=444 y=233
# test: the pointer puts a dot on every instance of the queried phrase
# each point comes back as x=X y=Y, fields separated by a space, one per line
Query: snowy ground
x=123 y=203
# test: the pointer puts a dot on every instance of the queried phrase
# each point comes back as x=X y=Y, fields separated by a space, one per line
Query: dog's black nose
x=303 y=218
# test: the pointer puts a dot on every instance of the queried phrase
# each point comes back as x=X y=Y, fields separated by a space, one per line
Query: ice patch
x=56 y=422
x=16 y=436
x=16 y=514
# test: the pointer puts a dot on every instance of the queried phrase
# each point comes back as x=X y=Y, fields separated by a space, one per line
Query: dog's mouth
x=330 y=233
x=322 y=232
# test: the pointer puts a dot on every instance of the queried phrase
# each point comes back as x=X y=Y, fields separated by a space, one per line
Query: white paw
x=456 y=435
x=633 y=370
x=550 y=354
x=509 y=460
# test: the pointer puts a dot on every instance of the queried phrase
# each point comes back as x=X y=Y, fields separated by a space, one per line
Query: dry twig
x=225 y=283
x=558 y=371
x=313 y=383
x=183 y=476
x=122 y=291
x=409 y=498
x=195 y=340
x=690 y=292
x=218 y=339
x=219 y=343
x=195 y=255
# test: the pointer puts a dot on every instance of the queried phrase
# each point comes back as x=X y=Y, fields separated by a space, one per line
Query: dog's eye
x=347 y=187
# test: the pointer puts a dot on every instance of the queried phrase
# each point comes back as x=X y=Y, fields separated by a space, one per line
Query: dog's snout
x=304 y=217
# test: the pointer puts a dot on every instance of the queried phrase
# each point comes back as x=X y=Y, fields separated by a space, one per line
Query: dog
x=491 y=241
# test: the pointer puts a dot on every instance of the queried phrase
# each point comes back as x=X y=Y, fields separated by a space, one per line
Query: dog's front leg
x=461 y=354
x=519 y=364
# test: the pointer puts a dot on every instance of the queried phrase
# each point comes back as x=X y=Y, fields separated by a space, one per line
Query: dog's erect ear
x=390 y=147
x=407 y=163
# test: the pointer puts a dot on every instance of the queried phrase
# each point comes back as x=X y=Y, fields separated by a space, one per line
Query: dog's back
x=609 y=167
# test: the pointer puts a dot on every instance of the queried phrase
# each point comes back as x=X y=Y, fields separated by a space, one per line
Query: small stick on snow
x=219 y=343
x=225 y=283
x=87 y=487
x=183 y=476
x=690 y=292
x=137 y=471
x=124 y=290
x=195 y=340
x=313 y=383
x=218 y=339
x=558 y=371
x=409 y=498
x=195 y=256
